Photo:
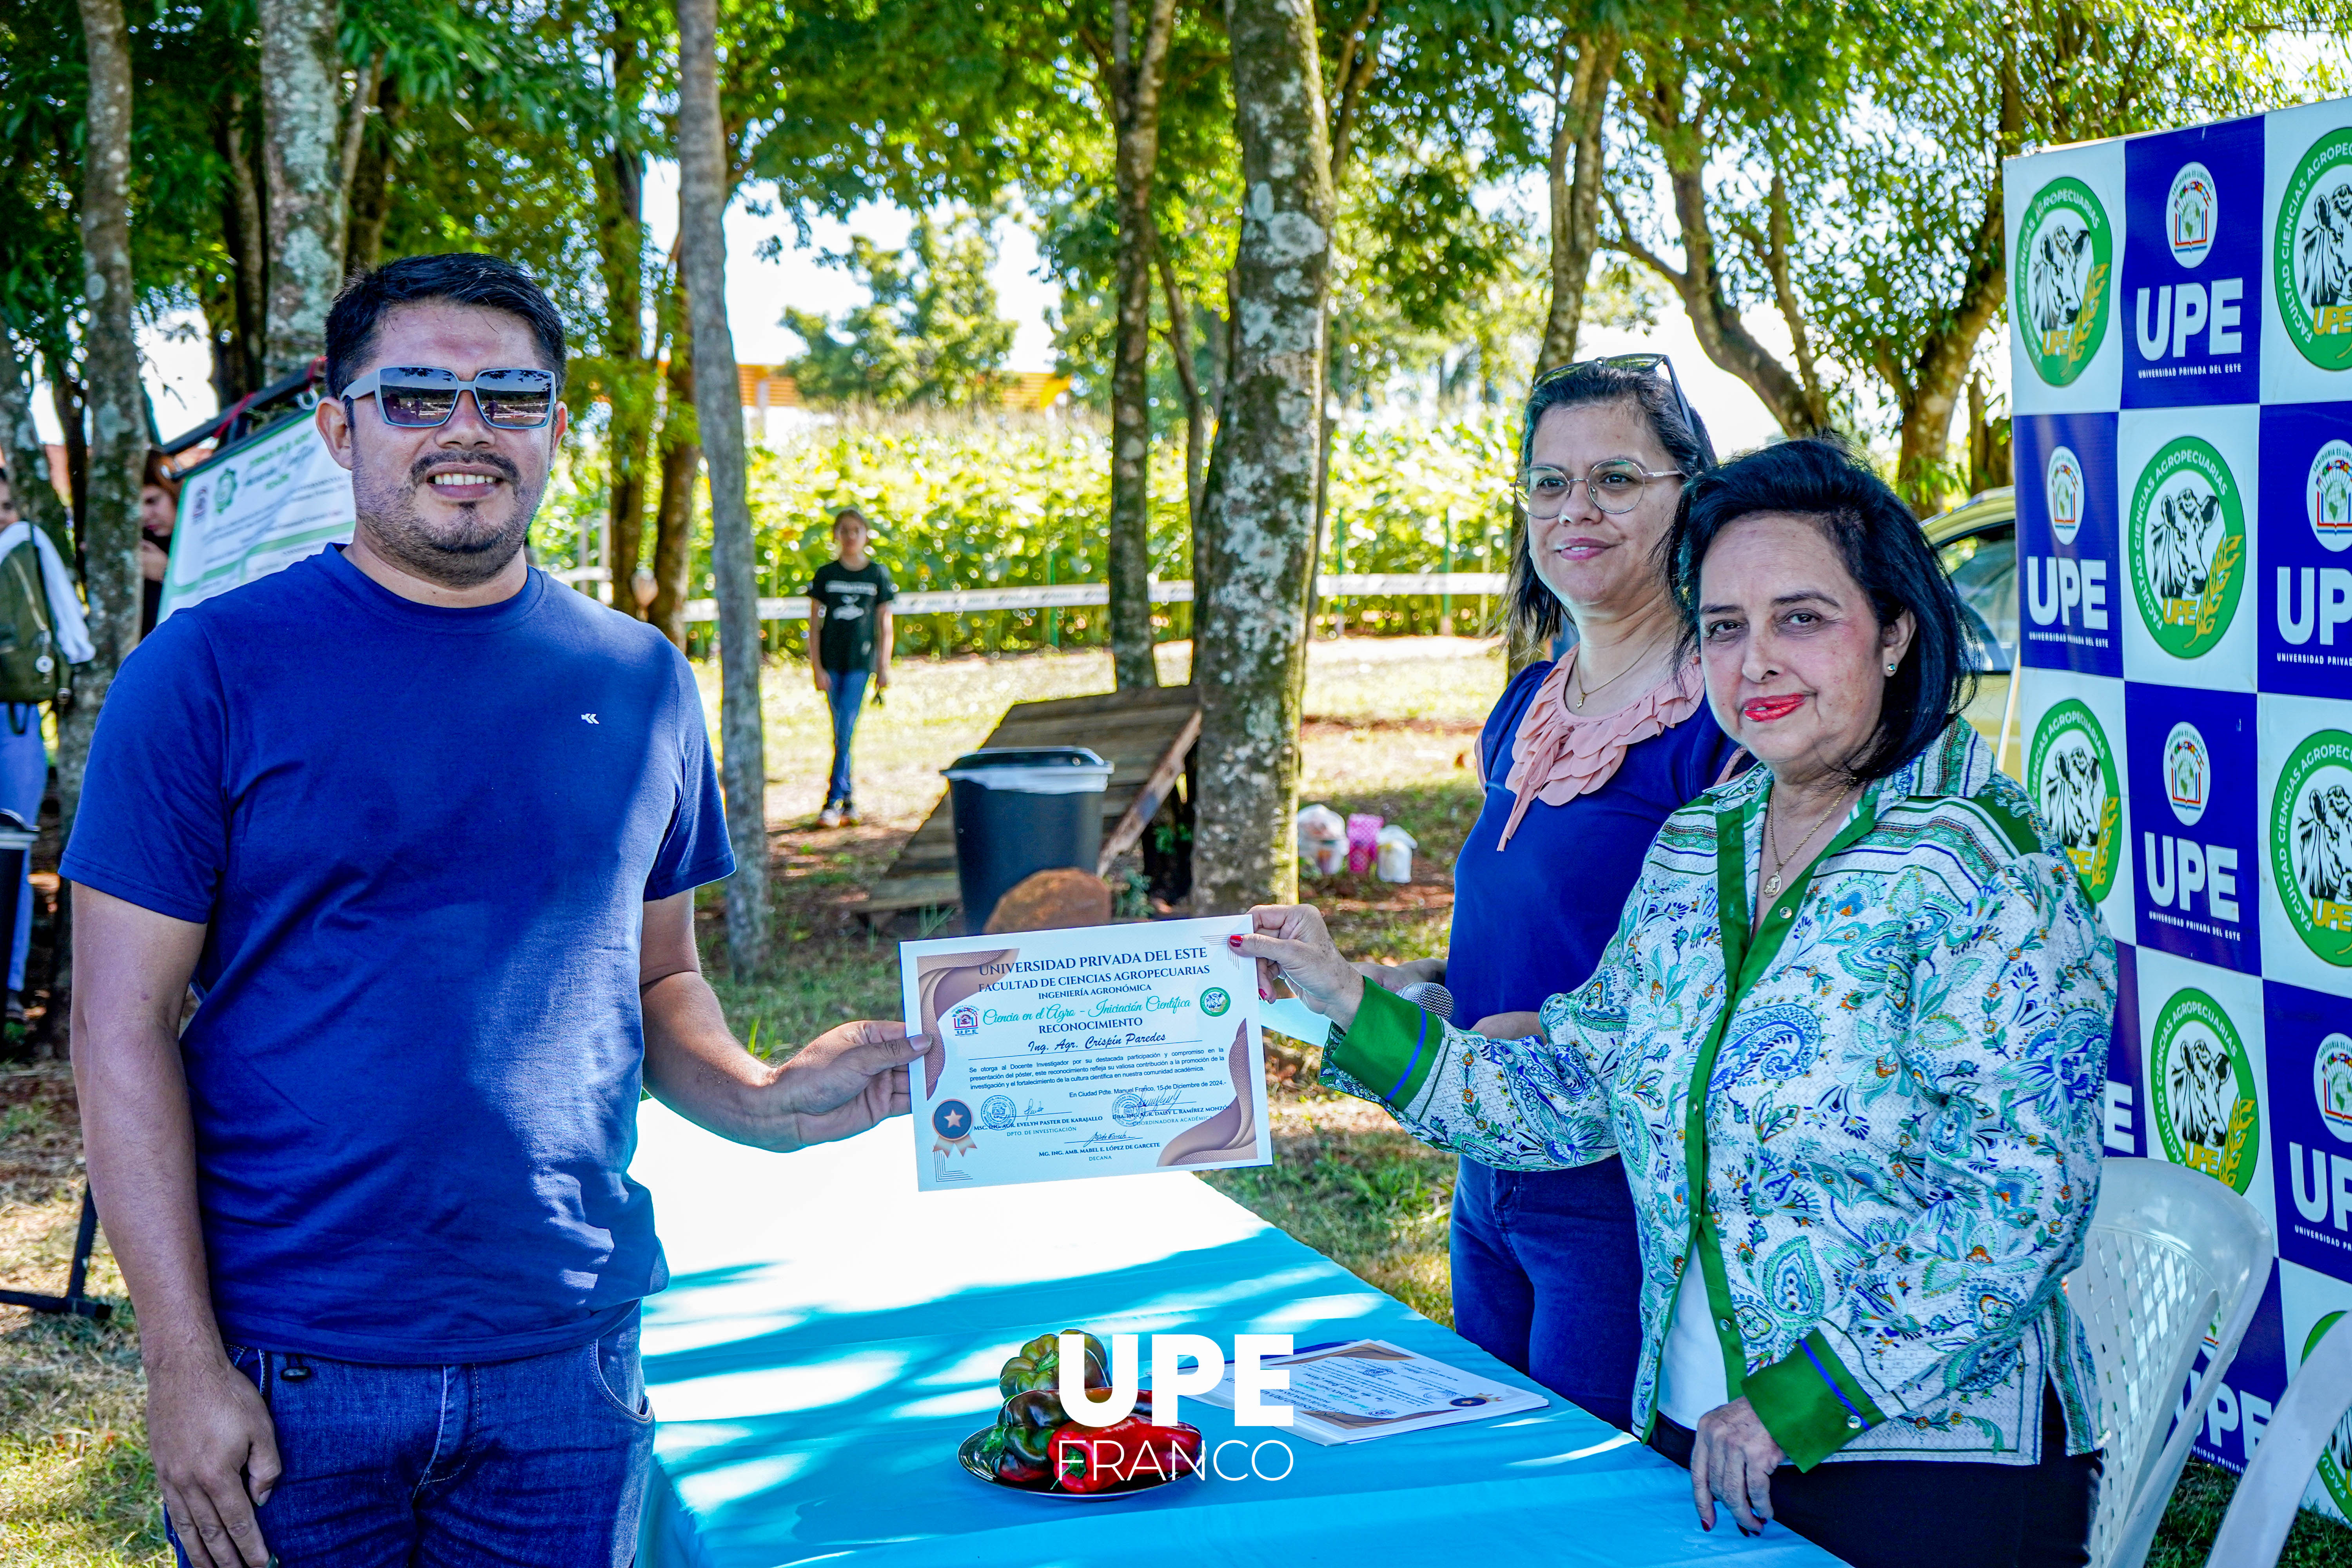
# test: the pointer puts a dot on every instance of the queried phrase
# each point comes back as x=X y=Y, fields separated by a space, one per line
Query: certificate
x=1096 y=1051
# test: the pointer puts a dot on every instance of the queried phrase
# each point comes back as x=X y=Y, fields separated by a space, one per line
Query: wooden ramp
x=1146 y=737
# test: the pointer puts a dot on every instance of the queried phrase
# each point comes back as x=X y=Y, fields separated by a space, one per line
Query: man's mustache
x=425 y=468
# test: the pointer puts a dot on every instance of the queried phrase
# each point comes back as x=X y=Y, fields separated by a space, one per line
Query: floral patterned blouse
x=1887 y=1094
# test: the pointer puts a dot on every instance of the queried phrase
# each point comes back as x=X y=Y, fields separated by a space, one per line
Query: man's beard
x=464 y=552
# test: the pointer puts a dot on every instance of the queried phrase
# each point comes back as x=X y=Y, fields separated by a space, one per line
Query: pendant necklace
x=1773 y=841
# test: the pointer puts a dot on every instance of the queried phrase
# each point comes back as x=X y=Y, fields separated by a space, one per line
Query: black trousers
x=1900 y=1513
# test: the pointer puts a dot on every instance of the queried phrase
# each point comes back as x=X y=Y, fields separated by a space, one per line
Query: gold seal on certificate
x=1096 y=1051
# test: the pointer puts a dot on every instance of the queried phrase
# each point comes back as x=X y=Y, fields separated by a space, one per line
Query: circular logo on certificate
x=225 y=490
x=2331 y=1085
x=2188 y=547
x=1128 y=1108
x=2310 y=253
x=2327 y=495
x=997 y=1112
x=2311 y=843
x=2189 y=214
x=2063 y=264
x=951 y=1119
x=2187 y=774
x=2071 y=772
x=2206 y=1111
x=1215 y=1001
x=2062 y=483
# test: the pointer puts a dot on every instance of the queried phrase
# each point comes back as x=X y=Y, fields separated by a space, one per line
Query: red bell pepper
x=1132 y=1452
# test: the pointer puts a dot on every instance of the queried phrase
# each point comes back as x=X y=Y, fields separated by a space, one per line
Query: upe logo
x=1172 y=1380
x=2310 y=253
x=2327 y=495
x=2206 y=1113
x=2188 y=773
x=2188 y=547
x=2189 y=214
x=2062 y=482
x=2311 y=843
x=225 y=491
x=1215 y=1001
x=964 y=1021
x=2071 y=772
x=2065 y=262
x=2331 y=1085
x=2336 y=1463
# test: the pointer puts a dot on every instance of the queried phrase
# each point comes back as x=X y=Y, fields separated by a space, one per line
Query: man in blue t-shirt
x=424 y=830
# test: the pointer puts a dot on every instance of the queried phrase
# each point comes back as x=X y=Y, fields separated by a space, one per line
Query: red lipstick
x=1764 y=710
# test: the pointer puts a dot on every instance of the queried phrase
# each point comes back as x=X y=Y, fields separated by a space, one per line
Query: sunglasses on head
x=1641 y=365
x=423 y=397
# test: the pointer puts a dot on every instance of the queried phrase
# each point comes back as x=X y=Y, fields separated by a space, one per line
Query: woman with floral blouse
x=1859 y=1002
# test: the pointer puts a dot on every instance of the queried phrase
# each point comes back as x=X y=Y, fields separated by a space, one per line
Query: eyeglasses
x=1615 y=485
x=421 y=398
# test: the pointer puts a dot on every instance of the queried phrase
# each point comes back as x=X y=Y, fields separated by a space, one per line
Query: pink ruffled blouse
x=1558 y=754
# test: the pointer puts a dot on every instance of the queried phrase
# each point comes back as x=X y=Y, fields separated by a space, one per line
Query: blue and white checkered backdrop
x=2180 y=348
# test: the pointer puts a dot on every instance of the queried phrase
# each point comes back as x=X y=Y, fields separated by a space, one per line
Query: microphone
x=1430 y=997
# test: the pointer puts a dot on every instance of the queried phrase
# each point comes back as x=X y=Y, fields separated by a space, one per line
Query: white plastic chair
x=2171 y=1253
x=2264 y=1511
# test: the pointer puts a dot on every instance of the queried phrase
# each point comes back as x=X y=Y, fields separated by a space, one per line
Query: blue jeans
x=1547 y=1278
x=845 y=698
x=24 y=778
x=536 y=1461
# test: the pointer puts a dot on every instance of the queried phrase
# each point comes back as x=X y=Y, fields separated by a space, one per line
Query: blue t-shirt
x=421 y=839
x=1533 y=919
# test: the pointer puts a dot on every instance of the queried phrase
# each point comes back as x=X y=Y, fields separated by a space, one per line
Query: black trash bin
x=1020 y=810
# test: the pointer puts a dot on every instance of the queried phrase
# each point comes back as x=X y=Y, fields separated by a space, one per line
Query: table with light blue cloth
x=830 y=1334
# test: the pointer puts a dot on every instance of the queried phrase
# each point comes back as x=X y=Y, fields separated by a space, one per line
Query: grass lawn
x=1391 y=727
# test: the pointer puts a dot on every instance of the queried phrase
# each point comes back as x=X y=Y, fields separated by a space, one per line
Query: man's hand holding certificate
x=1097 y=1051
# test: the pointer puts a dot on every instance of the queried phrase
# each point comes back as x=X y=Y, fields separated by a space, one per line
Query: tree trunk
x=371 y=189
x=1575 y=175
x=703 y=190
x=629 y=379
x=1137 y=68
x=248 y=241
x=1794 y=398
x=301 y=117
x=1990 y=464
x=70 y=400
x=681 y=461
x=1259 y=509
x=117 y=401
x=1196 y=411
x=21 y=449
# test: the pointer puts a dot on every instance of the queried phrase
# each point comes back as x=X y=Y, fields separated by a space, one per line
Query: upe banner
x=254 y=509
x=2180 y=352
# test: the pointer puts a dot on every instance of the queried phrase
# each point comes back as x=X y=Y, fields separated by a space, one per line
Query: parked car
x=1976 y=542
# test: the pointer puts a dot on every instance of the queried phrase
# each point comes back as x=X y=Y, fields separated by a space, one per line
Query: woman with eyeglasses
x=1582 y=759
x=1849 y=1045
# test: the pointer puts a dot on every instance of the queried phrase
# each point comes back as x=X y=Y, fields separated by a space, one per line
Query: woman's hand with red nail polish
x=1290 y=940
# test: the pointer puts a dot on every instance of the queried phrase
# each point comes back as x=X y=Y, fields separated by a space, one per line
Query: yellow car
x=1976 y=542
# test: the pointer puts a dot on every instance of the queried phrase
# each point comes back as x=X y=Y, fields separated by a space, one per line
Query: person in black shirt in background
x=849 y=642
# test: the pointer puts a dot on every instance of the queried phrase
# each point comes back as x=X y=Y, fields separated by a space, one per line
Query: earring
x=1890 y=669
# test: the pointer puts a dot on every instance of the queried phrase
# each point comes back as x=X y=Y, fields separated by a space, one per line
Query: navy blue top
x=1532 y=920
x=421 y=840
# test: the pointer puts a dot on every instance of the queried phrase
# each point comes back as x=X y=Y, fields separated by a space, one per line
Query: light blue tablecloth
x=830 y=1335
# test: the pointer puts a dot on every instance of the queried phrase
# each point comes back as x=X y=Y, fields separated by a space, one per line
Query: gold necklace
x=1772 y=839
x=1583 y=694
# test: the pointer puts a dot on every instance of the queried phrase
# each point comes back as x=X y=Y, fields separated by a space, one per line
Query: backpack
x=32 y=667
